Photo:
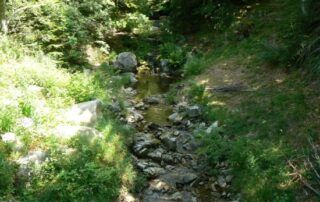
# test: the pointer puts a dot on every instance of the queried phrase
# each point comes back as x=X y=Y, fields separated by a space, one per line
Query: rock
x=169 y=141
x=143 y=142
x=229 y=178
x=182 y=106
x=151 y=196
x=26 y=122
x=150 y=168
x=153 y=100
x=33 y=159
x=211 y=128
x=130 y=92
x=86 y=113
x=179 y=176
x=66 y=132
x=164 y=66
x=125 y=196
x=140 y=106
x=126 y=62
x=194 y=111
x=156 y=154
x=14 y=140
x=157 y=185
x=132 y=77
x=175 y=117
x=222 y=182
x=134 y=116
x=213 y=188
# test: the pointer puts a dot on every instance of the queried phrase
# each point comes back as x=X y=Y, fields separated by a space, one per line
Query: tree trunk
x=3 y=21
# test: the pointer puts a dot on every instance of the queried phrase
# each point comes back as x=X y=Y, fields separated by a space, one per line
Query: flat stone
x=179 y=176
x=159 y=197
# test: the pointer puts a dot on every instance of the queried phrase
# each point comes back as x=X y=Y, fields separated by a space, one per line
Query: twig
x=315 y=171
x=305 y=183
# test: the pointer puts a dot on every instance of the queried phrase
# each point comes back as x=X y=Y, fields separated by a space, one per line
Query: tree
x=3 y=21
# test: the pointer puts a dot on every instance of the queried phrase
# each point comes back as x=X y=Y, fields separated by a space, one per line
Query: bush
x=174 y=53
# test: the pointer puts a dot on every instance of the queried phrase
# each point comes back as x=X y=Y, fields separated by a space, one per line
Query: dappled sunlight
x=217 y=103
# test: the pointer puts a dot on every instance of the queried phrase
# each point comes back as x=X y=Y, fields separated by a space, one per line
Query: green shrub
x=174 y=53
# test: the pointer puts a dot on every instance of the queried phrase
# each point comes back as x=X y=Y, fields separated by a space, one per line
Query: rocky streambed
x=164 y=148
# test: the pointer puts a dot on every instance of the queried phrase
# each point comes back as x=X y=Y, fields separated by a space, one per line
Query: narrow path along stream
x=164 y=149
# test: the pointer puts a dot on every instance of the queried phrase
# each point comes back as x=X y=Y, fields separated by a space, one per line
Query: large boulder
x=86 y=113
x=67 y=132
x=126 y=62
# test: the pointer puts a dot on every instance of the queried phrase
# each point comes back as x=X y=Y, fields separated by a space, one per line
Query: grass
x=271 y=125
x=32 y=86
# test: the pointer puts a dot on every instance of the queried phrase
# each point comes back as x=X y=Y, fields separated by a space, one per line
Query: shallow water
x=148 y=85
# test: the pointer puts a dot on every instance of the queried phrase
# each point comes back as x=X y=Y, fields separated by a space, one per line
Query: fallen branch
x=304 y=182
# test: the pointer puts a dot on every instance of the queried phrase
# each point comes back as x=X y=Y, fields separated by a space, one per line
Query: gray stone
x=86 y=113
x=179 y=176
x=130 y=92
x=157 y=185
x=134 y=116
x=131 y=76
x=126 y=62
x=164 y=65
x=169 y=141
x=159 y=197
x=222 y=182
x=229 y=178
x=143 y=142
x=66 y=132
x=212 y=127
x=194 y=111
x=176 y=117
x=153 y=100
x=156 y=154
x=33 y=160
x=150 y=168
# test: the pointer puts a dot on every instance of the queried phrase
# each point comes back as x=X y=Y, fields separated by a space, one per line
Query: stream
x=164 y=148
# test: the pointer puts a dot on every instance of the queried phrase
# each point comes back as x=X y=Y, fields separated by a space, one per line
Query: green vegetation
x=32 y=86
x=272 y=127
x=54 y=54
